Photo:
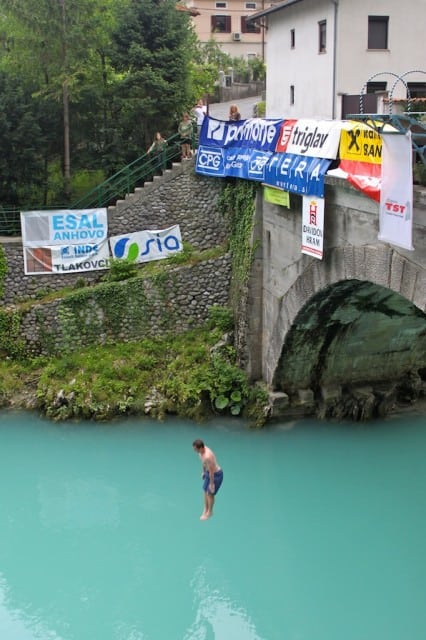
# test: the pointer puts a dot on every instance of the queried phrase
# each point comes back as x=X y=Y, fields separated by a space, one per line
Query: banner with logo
x=360 y=153
x=297 y=174
x=313 y=138
x=313 y=227
x=255 y=133
x=144 y=246
x=276 y=196
x=396 y=195
x=64 y=241
x=233 y=162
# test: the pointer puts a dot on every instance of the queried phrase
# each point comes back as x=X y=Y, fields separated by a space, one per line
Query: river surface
x=319 y=531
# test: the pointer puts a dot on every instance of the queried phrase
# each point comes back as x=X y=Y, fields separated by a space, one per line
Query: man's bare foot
x=206 y=515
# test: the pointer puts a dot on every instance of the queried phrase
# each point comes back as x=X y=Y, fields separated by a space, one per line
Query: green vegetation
x=191 y=375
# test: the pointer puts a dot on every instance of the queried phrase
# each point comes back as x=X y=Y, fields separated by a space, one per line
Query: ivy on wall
x=3 y=270
x=237 y=202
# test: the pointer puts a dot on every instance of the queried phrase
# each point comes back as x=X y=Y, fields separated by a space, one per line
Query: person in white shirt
x=200 y=111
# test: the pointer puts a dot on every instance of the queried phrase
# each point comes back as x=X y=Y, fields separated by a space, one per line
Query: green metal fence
x=108 y=192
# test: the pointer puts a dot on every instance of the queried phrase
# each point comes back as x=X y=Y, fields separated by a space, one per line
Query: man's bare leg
x=206 y=507
x=209 y=507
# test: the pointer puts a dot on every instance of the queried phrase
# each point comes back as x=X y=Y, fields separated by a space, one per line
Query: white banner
x=143 y=246
x=396 y=196
x=313 y=226
x=313 y=138
x=64 y=241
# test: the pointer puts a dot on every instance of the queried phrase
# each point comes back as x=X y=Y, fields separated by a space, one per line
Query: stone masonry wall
x=179 y=196
x=177 y=301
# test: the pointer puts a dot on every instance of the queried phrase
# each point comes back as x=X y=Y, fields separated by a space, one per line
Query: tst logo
x=395 y=208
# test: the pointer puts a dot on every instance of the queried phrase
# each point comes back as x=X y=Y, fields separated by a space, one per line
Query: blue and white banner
x=297 y=174
x=144 y=246
x=64 y=241
x=255 y=133
x=233 y=162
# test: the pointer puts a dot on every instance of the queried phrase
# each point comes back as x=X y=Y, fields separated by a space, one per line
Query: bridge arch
x=328 y=309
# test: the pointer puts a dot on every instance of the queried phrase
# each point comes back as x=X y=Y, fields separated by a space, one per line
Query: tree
x=21 y=139
x=53 y=43
x=151 y=49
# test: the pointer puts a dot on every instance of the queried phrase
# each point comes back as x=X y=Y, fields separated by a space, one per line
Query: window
x=220 y=5
x=417 y=89
x=292 y=38
x=221 y=24
x=372 y=87
x=249 y=27
x=322 y=36
x=292 y=94
x=250 y=5
x=378 y=32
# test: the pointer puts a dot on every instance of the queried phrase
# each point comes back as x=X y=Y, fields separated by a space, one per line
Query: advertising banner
x=233 y=162
x=297 y=174
x=65 y=241
x=360 y=153
x=313 y=227
x=144 y=246
x=396 y=195
x=276 y=196
x=313 y=138
x=255 y=133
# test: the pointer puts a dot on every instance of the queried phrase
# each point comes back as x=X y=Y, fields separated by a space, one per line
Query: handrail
x=136 y=173
x=109 y=191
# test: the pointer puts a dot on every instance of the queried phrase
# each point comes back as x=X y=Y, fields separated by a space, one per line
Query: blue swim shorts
x=218 y=479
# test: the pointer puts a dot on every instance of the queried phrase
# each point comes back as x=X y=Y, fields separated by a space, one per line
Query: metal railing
x=109 y=191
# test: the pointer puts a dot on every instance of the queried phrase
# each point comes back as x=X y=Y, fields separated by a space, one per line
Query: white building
x=322 y=54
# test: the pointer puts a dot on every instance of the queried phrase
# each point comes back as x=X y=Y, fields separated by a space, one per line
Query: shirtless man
x=212 y=476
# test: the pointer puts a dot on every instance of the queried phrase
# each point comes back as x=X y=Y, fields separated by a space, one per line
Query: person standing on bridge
x=234 y=114
x=200 y=111
x=212 y=476
x=185 y=131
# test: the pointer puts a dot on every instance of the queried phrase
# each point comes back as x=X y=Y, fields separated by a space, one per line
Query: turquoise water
x=319 y=532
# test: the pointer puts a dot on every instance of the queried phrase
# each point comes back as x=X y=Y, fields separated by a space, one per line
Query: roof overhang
x=266 y=12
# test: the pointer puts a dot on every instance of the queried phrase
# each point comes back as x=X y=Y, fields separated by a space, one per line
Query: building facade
x=226 y=22
x=324 y=54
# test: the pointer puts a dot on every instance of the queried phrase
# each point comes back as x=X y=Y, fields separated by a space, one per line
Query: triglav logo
x=314 y=138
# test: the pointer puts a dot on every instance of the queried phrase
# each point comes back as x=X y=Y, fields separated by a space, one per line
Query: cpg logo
x=216 y=130
x=209 y=160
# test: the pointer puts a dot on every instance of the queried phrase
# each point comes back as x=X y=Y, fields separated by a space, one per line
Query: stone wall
x=176 y=301
x=179 y=196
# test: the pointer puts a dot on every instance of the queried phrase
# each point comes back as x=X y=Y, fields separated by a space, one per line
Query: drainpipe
x=333 y=110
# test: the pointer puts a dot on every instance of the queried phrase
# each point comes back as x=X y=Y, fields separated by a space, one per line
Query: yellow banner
x=276 y=196
x=360 y=143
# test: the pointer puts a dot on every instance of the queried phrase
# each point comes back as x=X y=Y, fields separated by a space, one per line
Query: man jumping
x=212 y=476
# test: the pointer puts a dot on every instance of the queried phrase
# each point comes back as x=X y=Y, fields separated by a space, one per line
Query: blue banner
x=232 y=162
x=298 y=174
x=255 y=133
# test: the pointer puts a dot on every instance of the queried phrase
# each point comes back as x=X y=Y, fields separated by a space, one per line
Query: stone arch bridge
x=342 y=335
